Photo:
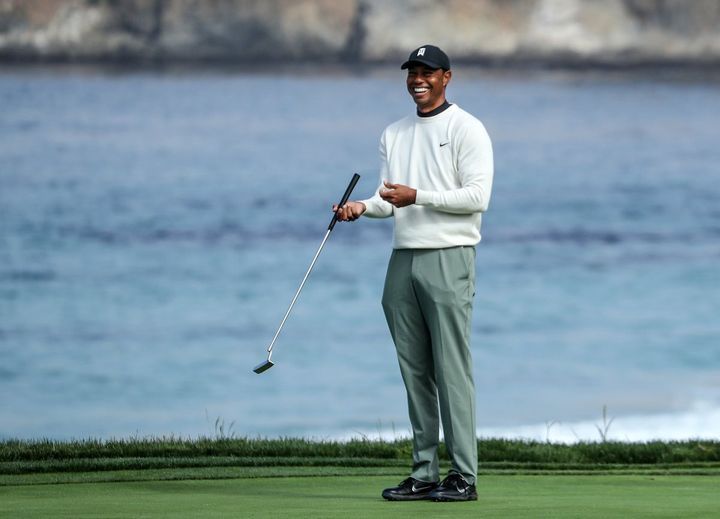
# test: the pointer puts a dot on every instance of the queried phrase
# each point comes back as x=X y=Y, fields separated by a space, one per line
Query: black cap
x=428 y=55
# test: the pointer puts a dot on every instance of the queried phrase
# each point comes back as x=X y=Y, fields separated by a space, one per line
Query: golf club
x=264 y=366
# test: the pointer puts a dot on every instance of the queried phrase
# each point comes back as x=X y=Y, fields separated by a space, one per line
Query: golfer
x=436 y=178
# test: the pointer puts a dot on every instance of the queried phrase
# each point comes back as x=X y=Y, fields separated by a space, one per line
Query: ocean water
x=154 y=227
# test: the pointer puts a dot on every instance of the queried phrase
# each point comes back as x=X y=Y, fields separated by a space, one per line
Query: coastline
x=565 y=34
x=700 y=422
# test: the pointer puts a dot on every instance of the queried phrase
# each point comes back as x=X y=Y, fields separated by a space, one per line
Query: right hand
x=350 y=211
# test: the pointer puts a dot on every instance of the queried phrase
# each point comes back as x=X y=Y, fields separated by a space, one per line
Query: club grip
x=346 y=195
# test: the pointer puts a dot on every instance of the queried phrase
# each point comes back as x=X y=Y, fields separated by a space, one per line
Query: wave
x=604 y=237
x=294 y=230
x=27 y=275
x=297 y=229
x=701 y=421
x=223 y=233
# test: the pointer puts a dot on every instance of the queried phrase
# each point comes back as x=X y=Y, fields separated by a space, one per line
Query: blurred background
x=167 y=169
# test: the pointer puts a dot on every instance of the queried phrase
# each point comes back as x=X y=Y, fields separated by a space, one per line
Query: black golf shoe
x=454 y=488
x=409 y=490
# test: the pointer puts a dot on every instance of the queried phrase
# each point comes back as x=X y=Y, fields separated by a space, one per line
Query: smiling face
x=427 y=86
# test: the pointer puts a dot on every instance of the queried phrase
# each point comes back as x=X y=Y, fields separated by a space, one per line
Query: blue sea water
x=154 y=227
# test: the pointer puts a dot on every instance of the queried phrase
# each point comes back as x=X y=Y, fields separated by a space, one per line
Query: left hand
x=398 y=194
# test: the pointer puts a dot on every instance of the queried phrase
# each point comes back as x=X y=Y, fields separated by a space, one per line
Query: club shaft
x=302 y=284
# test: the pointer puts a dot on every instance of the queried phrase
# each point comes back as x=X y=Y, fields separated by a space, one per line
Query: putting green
x=534 y=497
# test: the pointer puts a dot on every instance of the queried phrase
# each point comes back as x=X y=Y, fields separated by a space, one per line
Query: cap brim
x=427 y=63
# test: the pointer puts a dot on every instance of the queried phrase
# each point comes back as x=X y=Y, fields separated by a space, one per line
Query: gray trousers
x=427 y=300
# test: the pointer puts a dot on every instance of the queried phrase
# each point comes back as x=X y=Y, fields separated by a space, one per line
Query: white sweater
x=448 y=158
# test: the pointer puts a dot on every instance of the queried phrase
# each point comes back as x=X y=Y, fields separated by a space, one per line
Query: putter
x=264 y=366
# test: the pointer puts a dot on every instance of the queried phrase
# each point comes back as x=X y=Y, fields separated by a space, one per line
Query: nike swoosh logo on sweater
x=444 y=143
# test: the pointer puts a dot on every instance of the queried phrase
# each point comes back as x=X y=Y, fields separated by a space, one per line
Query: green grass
x=240 y=477
x=173 y=458
x=508 y=497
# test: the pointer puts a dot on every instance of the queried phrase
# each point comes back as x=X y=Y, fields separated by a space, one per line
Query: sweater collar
x=440 y=109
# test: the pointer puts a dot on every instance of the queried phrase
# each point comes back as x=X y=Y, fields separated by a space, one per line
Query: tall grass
x=38 y=450
x=489 y=449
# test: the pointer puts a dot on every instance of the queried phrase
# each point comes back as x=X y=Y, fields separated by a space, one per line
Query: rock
x=548 y=32
x=255 y=30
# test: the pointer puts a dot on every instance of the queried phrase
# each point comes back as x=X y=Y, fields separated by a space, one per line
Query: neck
x=434 y=111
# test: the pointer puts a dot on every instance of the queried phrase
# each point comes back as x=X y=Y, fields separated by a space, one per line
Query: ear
x=447 y=75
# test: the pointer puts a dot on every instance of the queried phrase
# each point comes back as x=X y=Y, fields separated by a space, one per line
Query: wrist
x=422 y=197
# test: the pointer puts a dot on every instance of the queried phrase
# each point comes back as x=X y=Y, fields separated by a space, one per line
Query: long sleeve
x=375 y=206
x=473 y=150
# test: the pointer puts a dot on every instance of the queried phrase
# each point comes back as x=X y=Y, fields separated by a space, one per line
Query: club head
x=264 y=366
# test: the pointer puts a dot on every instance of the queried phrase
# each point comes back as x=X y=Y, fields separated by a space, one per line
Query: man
x=436 y=177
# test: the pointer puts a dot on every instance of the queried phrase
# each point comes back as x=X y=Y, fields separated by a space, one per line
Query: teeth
x=420 y=89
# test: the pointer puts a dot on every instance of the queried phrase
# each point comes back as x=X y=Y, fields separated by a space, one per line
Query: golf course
x=234 y=477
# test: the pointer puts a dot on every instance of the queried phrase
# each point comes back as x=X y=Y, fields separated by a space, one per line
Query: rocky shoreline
x=504 y=33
